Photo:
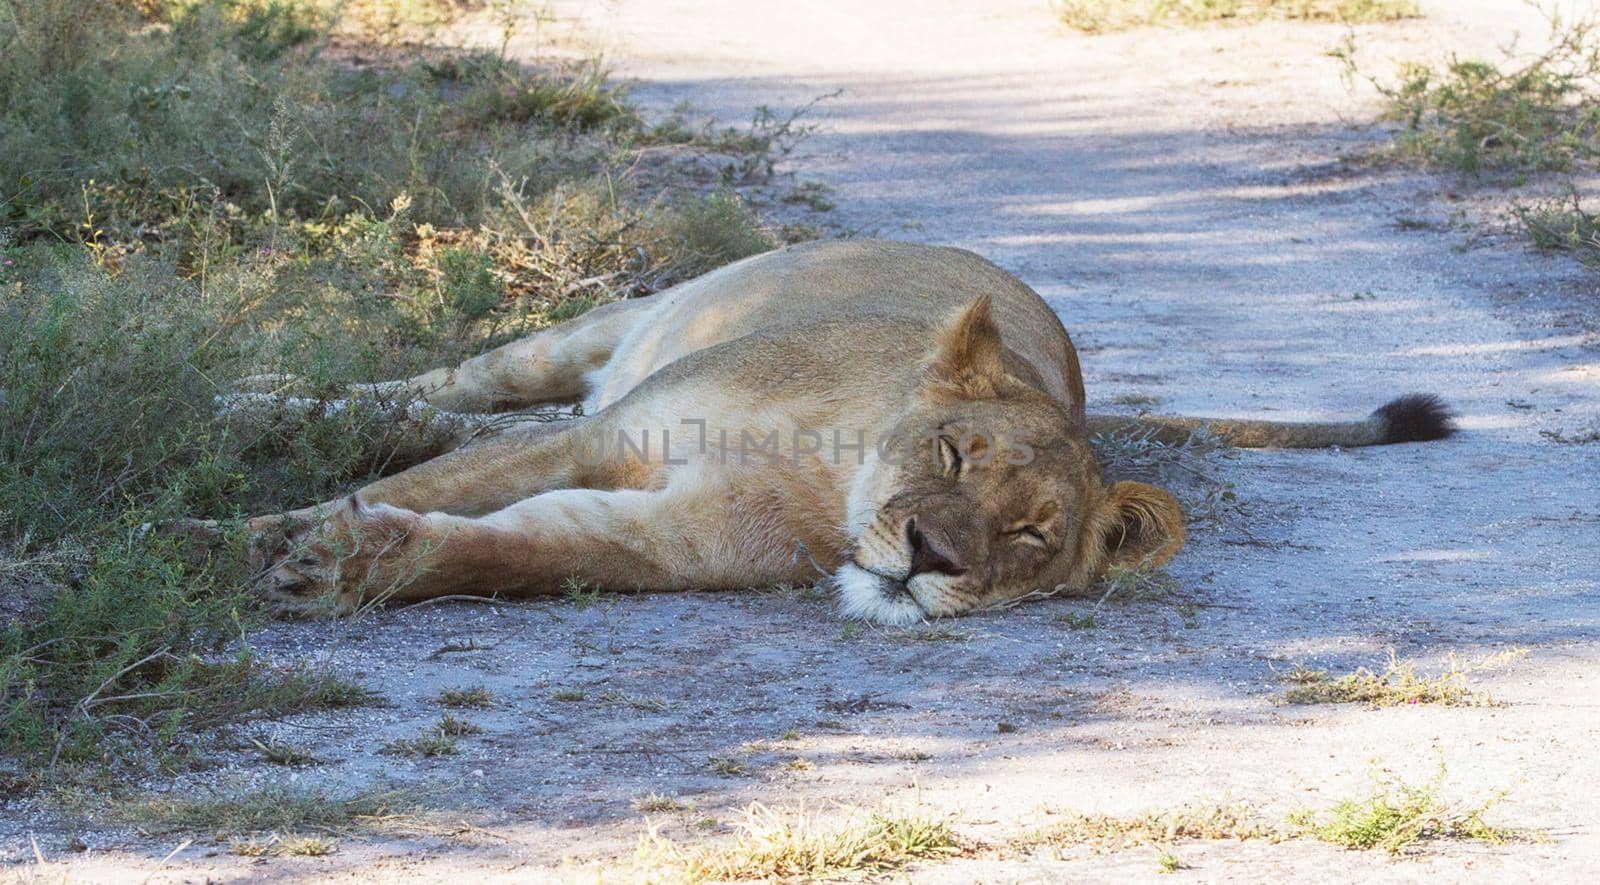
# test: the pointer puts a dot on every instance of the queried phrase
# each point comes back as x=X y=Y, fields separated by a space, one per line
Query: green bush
x=1475 y=115
x=195 y=191
x=198 y=104
x=108 y=423
x=1563 y=225
x=1396 y=815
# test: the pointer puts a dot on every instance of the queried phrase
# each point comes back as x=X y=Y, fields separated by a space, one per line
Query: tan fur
x=1244 y=434
x=993 y=494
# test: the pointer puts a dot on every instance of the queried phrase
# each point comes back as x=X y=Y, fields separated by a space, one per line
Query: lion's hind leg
x=549 y=366
x=393 y=435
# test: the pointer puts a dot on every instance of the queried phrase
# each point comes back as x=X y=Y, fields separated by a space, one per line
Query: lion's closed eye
x=1028 y=534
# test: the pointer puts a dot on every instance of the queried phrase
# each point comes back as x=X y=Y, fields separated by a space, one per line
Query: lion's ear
x=970 y=355
x=1137 y=525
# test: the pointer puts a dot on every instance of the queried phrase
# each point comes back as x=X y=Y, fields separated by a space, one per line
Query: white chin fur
x=867 y=597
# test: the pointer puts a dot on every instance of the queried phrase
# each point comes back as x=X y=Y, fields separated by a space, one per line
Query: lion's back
x=828 y=282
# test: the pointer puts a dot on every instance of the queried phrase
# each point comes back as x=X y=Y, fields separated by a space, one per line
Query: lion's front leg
x=712 y=527
x=698 y=533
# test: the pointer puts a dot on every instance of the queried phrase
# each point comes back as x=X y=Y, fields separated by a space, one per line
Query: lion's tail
x=1414 y=418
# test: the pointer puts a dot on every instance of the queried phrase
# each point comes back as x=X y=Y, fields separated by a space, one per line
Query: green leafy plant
x=1562 y=224
x=1518 y=114
x=1396 y=815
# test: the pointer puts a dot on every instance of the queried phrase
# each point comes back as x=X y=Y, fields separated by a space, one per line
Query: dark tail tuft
x=1417 y=417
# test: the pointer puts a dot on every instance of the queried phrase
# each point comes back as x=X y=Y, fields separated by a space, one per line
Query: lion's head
x=990 y=492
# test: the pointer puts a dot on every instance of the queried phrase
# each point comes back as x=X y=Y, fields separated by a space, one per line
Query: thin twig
x=165 y=860
x=1030 y=596
x=800 y=550
x=456 y=597
x=83 y=705
x=472 y=645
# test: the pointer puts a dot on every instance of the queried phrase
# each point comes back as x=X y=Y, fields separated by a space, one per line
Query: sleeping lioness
x=906 y=420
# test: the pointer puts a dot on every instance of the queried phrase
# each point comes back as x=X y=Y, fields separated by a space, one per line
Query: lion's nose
x=931 y=551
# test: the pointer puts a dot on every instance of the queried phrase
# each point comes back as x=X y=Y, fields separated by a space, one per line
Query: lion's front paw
x=355 y=556
x=302 y=584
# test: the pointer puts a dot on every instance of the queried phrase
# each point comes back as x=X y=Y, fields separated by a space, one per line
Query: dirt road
x=1180 y=199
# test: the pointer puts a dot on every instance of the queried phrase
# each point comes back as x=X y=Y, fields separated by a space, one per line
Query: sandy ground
x=1180 y=198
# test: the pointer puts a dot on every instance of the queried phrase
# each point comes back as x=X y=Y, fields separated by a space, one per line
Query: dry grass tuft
x=726 y=766
x=278 y=845
x=1099 y=16
x=1075 y=621
x=274 y=810
x=450 y=725
x=1393 y=816
x=778 y=845
x=438 y=740
x=1109 y=833
x=1397 y=684
x=478 y=698
x=655 y=803
x=1140 y=584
